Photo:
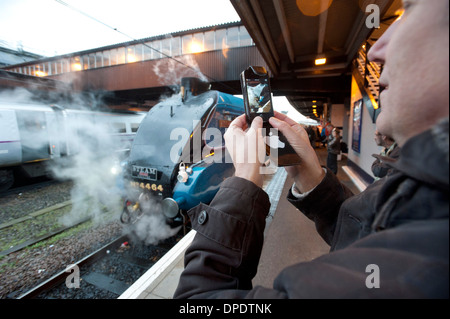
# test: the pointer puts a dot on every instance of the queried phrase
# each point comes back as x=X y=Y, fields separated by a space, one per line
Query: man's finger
x=257 y=123
x=239 y=122
x=284 y=118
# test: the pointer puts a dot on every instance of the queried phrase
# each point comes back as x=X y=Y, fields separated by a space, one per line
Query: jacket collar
x=425 y=157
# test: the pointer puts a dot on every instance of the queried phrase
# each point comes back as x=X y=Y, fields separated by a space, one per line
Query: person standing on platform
x=334 y=149
x=389 y=241
x=390 y=154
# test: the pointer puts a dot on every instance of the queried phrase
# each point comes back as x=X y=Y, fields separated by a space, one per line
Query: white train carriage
x=34 y=135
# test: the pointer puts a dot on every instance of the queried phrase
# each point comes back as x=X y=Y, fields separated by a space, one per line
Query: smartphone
x=257 y=97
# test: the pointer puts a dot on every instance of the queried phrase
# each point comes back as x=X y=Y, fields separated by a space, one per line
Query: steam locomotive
x=178 y=157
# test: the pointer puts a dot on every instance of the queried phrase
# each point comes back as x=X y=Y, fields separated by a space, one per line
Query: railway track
x=104 y=274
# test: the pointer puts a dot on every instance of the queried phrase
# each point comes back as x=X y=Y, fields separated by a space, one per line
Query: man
x=389 y=154
x=398 y=226
x=333 y=150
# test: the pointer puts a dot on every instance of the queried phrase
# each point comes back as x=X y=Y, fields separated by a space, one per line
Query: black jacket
x=399 y=224
x=334 y=144
x=380 y=167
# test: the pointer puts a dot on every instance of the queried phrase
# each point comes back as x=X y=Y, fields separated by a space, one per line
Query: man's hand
x=247 y=148
x=309 y=174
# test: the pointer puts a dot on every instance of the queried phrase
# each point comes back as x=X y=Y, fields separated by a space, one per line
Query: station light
x=131 y=58
x=321 y=61
x=195 y=47
x=76 y=67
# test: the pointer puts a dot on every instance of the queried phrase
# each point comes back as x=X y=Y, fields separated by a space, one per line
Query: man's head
x=415 y=54
x=378 y=138
x=383 y=140
x=336 y=131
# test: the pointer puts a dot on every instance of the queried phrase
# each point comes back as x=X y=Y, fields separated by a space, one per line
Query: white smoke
x=151 y=227
x=93 y=154
x=170 y=72
x=85 y=139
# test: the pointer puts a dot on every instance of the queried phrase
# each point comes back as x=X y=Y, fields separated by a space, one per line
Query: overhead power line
x=142 y=42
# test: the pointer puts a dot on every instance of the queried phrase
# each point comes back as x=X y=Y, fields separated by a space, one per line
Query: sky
x=50 y=28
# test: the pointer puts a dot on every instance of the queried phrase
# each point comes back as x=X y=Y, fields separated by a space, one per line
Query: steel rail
x=60 y=277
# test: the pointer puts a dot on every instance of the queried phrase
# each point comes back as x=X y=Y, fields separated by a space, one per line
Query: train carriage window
x=33 y=135
x=134 y=127
x=119 y=127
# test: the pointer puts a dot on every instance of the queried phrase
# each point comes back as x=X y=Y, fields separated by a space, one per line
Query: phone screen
x=259 y=97
x=257 y=93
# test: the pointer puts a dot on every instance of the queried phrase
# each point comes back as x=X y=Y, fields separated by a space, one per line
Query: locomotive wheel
x=125 y=217
x=131 y=212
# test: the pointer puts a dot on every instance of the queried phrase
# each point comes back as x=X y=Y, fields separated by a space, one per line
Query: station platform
x=290 y=237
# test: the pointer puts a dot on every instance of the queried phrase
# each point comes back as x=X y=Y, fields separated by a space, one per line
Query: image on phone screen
x=259 y=97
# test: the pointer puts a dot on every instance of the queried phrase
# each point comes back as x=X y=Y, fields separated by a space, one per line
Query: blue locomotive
x=178 y=158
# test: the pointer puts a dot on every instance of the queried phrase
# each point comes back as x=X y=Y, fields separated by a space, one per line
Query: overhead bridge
x=139 y=72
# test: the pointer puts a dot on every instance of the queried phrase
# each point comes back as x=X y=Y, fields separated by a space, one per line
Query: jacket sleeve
x=322 y=204
x=225 y=252
x=379 y=169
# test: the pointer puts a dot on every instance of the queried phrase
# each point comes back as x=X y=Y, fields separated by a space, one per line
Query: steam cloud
x=171 y=72
x=151 y=228
x=93 y=155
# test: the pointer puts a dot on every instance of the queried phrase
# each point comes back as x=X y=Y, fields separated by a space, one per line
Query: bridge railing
x=179 y=44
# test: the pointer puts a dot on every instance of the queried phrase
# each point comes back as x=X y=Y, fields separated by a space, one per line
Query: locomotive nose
x=171 y=207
